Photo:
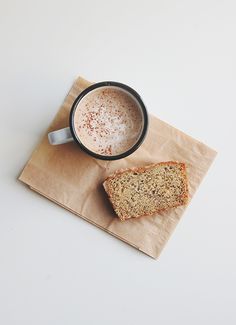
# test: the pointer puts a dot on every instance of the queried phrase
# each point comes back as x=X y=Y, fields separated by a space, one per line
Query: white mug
x=68 y=134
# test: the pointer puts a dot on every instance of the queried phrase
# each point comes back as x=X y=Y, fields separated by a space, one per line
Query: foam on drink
x=108 y=121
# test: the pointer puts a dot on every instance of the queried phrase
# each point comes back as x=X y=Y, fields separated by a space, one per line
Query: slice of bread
x=144 y=191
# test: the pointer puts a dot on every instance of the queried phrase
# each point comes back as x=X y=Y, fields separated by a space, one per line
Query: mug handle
x=60 y=136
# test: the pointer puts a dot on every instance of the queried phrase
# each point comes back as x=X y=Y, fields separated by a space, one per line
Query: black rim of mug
x=107 y=84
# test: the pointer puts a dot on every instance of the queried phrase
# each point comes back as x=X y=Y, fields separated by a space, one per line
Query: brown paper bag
x=73 y=179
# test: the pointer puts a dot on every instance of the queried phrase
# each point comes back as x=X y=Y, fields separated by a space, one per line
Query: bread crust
x=119 y=172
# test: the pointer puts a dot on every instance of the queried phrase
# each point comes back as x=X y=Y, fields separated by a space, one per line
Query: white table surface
x=181 y=56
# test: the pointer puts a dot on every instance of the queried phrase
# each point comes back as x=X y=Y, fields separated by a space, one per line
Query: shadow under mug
x=69 y=134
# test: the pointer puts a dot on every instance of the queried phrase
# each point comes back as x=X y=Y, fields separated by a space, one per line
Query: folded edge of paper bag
x=86 y=219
